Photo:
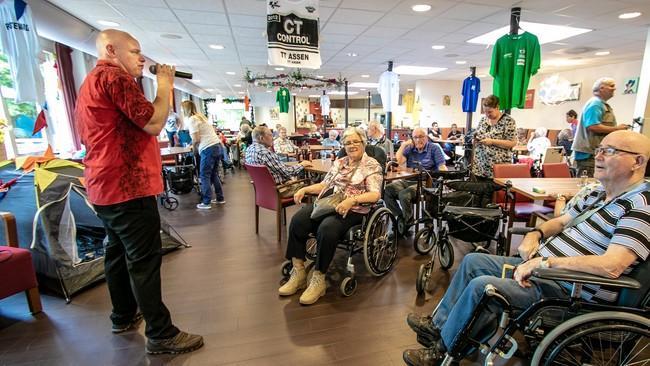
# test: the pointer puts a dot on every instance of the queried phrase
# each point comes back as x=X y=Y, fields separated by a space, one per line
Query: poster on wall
x=631 y=85
x=574 y=92
x=530 y=99
x=292 y=33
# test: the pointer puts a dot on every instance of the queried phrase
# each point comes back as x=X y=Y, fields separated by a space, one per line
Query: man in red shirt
x=119 y=126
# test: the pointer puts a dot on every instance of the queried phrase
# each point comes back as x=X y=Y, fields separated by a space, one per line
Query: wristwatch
x=541 y=233
x=544 y=263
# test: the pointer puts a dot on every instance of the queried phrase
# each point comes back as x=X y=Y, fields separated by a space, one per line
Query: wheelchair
x=375 y=238
x=568 y=331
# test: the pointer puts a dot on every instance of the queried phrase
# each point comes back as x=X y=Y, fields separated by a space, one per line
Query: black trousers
x=329 y=231
x=132 y=263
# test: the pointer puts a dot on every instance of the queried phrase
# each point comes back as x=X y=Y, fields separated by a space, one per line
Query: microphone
x=179 y=74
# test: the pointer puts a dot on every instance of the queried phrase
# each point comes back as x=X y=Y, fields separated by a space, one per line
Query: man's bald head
x=122 y=49
x=628 y=164
x=630 y=141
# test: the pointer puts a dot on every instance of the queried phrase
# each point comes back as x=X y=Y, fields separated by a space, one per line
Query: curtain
x=64 y=68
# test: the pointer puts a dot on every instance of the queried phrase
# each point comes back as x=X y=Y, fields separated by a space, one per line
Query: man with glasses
x=596 y=122
x=416 y=152
x=260 y=153
x=606 y=233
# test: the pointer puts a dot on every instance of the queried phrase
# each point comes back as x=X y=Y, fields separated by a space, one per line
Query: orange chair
x=16 y=268
x=556 y=170
x=267 y=195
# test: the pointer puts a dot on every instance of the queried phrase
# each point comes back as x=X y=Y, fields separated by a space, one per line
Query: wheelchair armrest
x=520 y=230
x=292 y=182
x=557 y=274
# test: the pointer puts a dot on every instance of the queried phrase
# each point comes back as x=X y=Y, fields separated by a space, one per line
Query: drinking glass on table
x=584 y=177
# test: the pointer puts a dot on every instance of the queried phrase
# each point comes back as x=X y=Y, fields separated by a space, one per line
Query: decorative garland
x=293 y=80
x=225 y=100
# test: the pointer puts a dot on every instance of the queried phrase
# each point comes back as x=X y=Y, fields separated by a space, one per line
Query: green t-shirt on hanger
x=514 y=59
x=282 y=97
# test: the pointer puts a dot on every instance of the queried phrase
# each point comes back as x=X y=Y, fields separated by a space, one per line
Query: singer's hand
x=165 y=74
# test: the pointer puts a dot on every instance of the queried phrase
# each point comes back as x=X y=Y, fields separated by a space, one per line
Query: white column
x=642 y=105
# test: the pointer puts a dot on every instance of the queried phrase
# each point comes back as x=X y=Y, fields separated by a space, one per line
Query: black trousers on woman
x=328 y=230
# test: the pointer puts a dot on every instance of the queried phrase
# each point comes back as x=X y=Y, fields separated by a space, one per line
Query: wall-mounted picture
x=274 y=112
x=574 y=92
x=530 y=99
x=631 y=85
x=446 y=100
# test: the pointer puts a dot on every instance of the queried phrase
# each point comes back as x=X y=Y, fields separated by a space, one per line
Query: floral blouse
x=366 y=178
x=485 y=157
x=283 y=146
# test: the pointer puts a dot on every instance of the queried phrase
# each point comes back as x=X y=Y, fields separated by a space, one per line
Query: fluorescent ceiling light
x=629 y=15
x=352 y=54
x=237 y=85
x=358 y=84
x=417 y=70
x=365 y=76
x=210 y=89
x=196 y=80
x=230 y=72
x=279 y=68
x=240 y=92
x=319 y=76
x=421 y=7
x=545 y=33
x=409 y=89
x=108 y=23
x=602 y=53
x=481 y=75
x=216 y=47
x=438 y=47
x=269 y=91
x=364 y=89
x=314 y=96
x=461 y=62
x=337 y=92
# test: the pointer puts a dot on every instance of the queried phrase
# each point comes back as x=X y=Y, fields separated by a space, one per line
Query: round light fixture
x=421 y=7
x=365 y=76
x=217 y=47
x=602 y=53
x=237 y=85
x=319 y=76
x=230 y=73
x=631 y=15
x=461 y=62
x=108 y=23
x=438 y=47
x=279 y=68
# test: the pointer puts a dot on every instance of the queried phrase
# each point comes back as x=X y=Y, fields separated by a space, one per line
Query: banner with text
x=292 y=29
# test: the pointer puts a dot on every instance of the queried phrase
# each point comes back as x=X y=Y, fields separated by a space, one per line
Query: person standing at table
x=597 y=121
x=572 y=120
x=207 y=144
x=495 y=137
x=171 y=126
x=119 y=126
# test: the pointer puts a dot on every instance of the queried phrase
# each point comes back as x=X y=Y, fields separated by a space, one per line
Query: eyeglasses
x=350 y=143
x=610 y=151
x=419 y=137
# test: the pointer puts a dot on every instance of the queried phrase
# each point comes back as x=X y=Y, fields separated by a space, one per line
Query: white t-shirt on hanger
x=389 y=90
x=324 y=105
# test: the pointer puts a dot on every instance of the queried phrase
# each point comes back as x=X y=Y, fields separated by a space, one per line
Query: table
x=567 y=187
x=173 y=151
x=317 y=148
x=520 y=149
x=323 y=166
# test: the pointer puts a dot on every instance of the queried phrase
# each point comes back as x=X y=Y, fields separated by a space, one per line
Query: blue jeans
x=170 y=136
x=209 y=173
x=467 y=288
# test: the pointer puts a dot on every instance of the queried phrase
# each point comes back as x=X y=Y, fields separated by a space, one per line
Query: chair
x=267 y=195
x=16 y=268
x=556 y=170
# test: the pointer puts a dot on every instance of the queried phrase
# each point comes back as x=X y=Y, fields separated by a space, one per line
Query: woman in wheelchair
x=604 y=236
x=359 y=177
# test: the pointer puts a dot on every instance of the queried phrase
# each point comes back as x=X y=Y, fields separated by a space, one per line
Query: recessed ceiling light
x=365 y=76
x=108 y=23
x=210 y=89
x=230 y=72
x=602 y=53
x=417 y=70
x=364 y=89
x=546 y=33
x=438 y=47
x=240 y=93
x=269 y=91
x=421 y=7
x=629 y=15
x=461 y=62
x=314 y=96
x=352 y=54
x=481 y=75
x=237 y=85
x=294 y=94
x=196 y=80
x=319 y=76
x=363 y=85
x=409 y=89
x=279 y=68
x=217 y=47
x=171 y=36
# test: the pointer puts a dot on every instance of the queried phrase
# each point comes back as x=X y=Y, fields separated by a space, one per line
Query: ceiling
x=376 y=30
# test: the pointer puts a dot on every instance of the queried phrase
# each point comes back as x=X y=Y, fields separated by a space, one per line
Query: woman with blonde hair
x=206 y=142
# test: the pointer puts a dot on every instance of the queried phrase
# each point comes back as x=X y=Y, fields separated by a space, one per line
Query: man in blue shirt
x=414 y=152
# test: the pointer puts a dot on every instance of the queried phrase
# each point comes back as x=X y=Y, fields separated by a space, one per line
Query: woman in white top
x=208 y=145
x=538 y=143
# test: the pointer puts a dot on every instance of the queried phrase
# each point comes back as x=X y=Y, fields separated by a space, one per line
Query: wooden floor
x=225 y=288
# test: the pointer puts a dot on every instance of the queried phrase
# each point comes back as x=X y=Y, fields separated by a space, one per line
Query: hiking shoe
x=203 y=206
x=431 y=356
x=316 y=289
x=297 y=281
x=181 y=343
x=427 y=334
x=121 y=328
x=218 y=202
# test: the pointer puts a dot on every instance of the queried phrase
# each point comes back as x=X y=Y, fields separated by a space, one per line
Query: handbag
x=325 y=206
x=289 y=189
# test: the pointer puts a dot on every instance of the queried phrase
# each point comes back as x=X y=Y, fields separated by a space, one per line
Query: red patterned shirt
x=122 y=160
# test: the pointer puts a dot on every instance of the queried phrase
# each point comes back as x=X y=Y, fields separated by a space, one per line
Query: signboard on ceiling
x=292 y=31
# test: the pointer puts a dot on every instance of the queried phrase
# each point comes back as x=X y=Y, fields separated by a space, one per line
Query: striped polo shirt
x=623 y=221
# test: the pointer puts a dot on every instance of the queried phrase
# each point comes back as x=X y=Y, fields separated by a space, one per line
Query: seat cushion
x=525 y=209
x=16 y=270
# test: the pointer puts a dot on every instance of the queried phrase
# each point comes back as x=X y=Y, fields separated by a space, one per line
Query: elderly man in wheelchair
x=579 y=292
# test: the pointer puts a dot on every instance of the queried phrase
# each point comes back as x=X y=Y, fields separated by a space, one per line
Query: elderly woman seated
x=359 y=177
x=330 y=141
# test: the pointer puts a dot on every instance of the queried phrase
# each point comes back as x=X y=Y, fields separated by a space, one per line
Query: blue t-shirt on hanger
x=471 y=88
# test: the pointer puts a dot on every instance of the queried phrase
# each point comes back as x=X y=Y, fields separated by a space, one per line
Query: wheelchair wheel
x=348 y=286
x=312 y=249
x=424 y=241
x=286 y=268
x=446 y=252
x=423 y=278
x=380 y=242
x=170 y=203
x=601 y=338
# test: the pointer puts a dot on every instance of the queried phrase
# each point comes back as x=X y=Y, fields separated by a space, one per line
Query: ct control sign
x=292 y=29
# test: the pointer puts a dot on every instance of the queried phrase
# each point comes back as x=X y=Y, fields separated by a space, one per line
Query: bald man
x=606 y=233
x=119 y=126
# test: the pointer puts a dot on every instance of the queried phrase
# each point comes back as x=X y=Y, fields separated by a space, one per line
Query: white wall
x=431 y=93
